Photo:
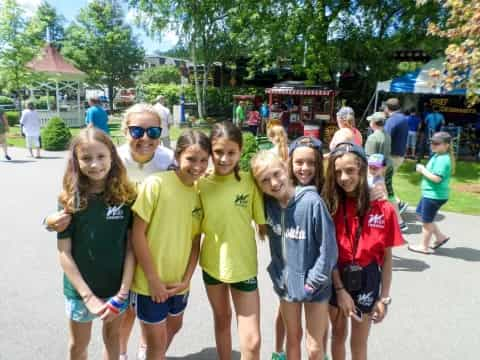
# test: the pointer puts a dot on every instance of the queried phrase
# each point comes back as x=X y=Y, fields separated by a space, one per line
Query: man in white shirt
x=30 y=122
x=166 y=116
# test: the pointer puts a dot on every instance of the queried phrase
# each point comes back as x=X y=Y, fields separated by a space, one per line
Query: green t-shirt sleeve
x=147 y=198
x=258 y=206
x=441 y=167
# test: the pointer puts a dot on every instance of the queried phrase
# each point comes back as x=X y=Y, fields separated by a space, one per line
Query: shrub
x=249 y=149
x=5 y=100
x=55 y=135
x=13 y=117
x=41 y=102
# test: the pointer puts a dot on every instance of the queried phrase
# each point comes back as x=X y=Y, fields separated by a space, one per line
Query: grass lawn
x=464 y=187
x=465 y=184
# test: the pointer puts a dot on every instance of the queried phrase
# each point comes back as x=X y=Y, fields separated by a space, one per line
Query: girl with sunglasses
x=435 y=191
x=366 y=231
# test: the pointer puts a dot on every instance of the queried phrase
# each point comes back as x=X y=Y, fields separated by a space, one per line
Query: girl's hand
x=378 y=192
x=379 y=312
x=94 y=304
x=176 y=288
x=114 y=306
x=59 y=221
x=158 y=291
x=345 y=302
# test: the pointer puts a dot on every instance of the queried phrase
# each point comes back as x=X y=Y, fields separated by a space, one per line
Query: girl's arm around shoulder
x=320 y=274
x=91 y=301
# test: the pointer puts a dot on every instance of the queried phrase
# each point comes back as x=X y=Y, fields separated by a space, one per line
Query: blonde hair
x=264 y=159
x=75 y=193
x=348 y=121
x=278 y=136
x=140 y=108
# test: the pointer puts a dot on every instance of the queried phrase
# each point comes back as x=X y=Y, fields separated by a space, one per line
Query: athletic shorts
x=245 y=285
x=366 y=297
x=77 y=310
x=32 y=141
x=427 y=209
x=151 y=312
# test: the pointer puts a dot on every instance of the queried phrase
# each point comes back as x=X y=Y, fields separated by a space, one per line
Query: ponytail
x=236 y=171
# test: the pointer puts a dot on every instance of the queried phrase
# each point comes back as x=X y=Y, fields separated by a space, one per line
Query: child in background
x=302 y=245
x=231 y=201
x=279 y=139
x=95 y=251
x=435 y=191
x=376 y=169
x=166 y=240
x=366 y=231
x=253 y=121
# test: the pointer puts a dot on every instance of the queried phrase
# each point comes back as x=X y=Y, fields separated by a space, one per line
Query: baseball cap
x=349 y=147
x=376 y=160
x=442 y=136
x=377 y=117
x=305 y=141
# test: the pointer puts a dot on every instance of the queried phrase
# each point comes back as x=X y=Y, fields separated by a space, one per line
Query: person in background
x=413 y=126
x=435 y=120
x=435 y=192
x=346 y=128
x=167 y=120
x=240 y=114
x=3 y=135
x=264 y=113
x=96 y=115
x=253 y=121
x=397 y=127
x=30 y=122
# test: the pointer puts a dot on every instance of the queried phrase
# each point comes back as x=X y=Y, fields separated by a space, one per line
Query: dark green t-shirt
x=99 y=239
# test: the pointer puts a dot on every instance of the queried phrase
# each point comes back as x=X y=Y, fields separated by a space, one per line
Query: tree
x=201 y=26
x=462 y=29
x=102 y=45
x=164 y=74
x=16 y=47
x=46 y=17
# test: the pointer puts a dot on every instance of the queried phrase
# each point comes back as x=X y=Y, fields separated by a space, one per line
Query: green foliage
x=41 y=102
x=13 y=117
x=171 y=92
x=55 y=135
x=102 y=45
x=45 y=17
x=164 y=74
x=249 y=149
x=5 y=100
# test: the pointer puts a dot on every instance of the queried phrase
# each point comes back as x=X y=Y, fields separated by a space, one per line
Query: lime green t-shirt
x=174 y=213
x=440 y=165
x=229 y=250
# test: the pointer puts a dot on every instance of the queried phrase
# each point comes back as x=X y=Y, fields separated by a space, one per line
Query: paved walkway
x=434 y=314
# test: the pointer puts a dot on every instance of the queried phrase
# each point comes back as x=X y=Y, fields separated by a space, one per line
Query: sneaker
x=403 y=227
x=402 y=206
x=8 y=157
x=279 y=356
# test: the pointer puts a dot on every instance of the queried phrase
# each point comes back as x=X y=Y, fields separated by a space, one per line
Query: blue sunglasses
x=137 y=132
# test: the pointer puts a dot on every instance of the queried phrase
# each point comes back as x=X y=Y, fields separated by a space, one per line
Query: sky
x=69 y=9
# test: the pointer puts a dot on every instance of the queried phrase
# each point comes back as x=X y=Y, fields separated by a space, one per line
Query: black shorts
x=366 y=297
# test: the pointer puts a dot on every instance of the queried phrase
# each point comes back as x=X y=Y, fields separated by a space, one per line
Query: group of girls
x=106 y=223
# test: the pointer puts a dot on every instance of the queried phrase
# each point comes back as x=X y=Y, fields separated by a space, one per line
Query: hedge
x=5 y=100
x=248 y=150
x=55 y=135
x=13 y=117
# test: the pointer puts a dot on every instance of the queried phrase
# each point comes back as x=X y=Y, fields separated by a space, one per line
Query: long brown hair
x=231 y=132
x=75 y=193
x=334 y=195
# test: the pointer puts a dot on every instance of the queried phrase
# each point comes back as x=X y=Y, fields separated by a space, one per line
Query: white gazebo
x=61 y=76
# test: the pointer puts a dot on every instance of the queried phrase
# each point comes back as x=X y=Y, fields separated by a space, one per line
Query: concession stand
x=308 y=109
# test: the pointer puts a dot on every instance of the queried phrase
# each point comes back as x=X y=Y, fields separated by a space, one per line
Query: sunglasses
x=137 y=132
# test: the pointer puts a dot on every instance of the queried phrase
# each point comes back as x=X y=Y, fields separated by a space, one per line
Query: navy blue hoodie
x=303 y=246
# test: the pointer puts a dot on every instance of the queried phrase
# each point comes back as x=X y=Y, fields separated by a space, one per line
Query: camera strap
x=358 y=231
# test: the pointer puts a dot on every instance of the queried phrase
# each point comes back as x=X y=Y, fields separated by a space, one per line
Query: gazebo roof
x=52 y=63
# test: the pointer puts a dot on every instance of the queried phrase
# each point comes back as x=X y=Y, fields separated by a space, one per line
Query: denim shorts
x=77 y=310
x=151 y=312
x=366 y=297
x=411 y=139
x=427 y=209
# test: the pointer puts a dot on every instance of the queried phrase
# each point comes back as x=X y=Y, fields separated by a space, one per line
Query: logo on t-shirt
x=294 y=233
x=197 y=213
x=365 y=299
x=115 y=212
x=241 y=200
x=376 y=221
